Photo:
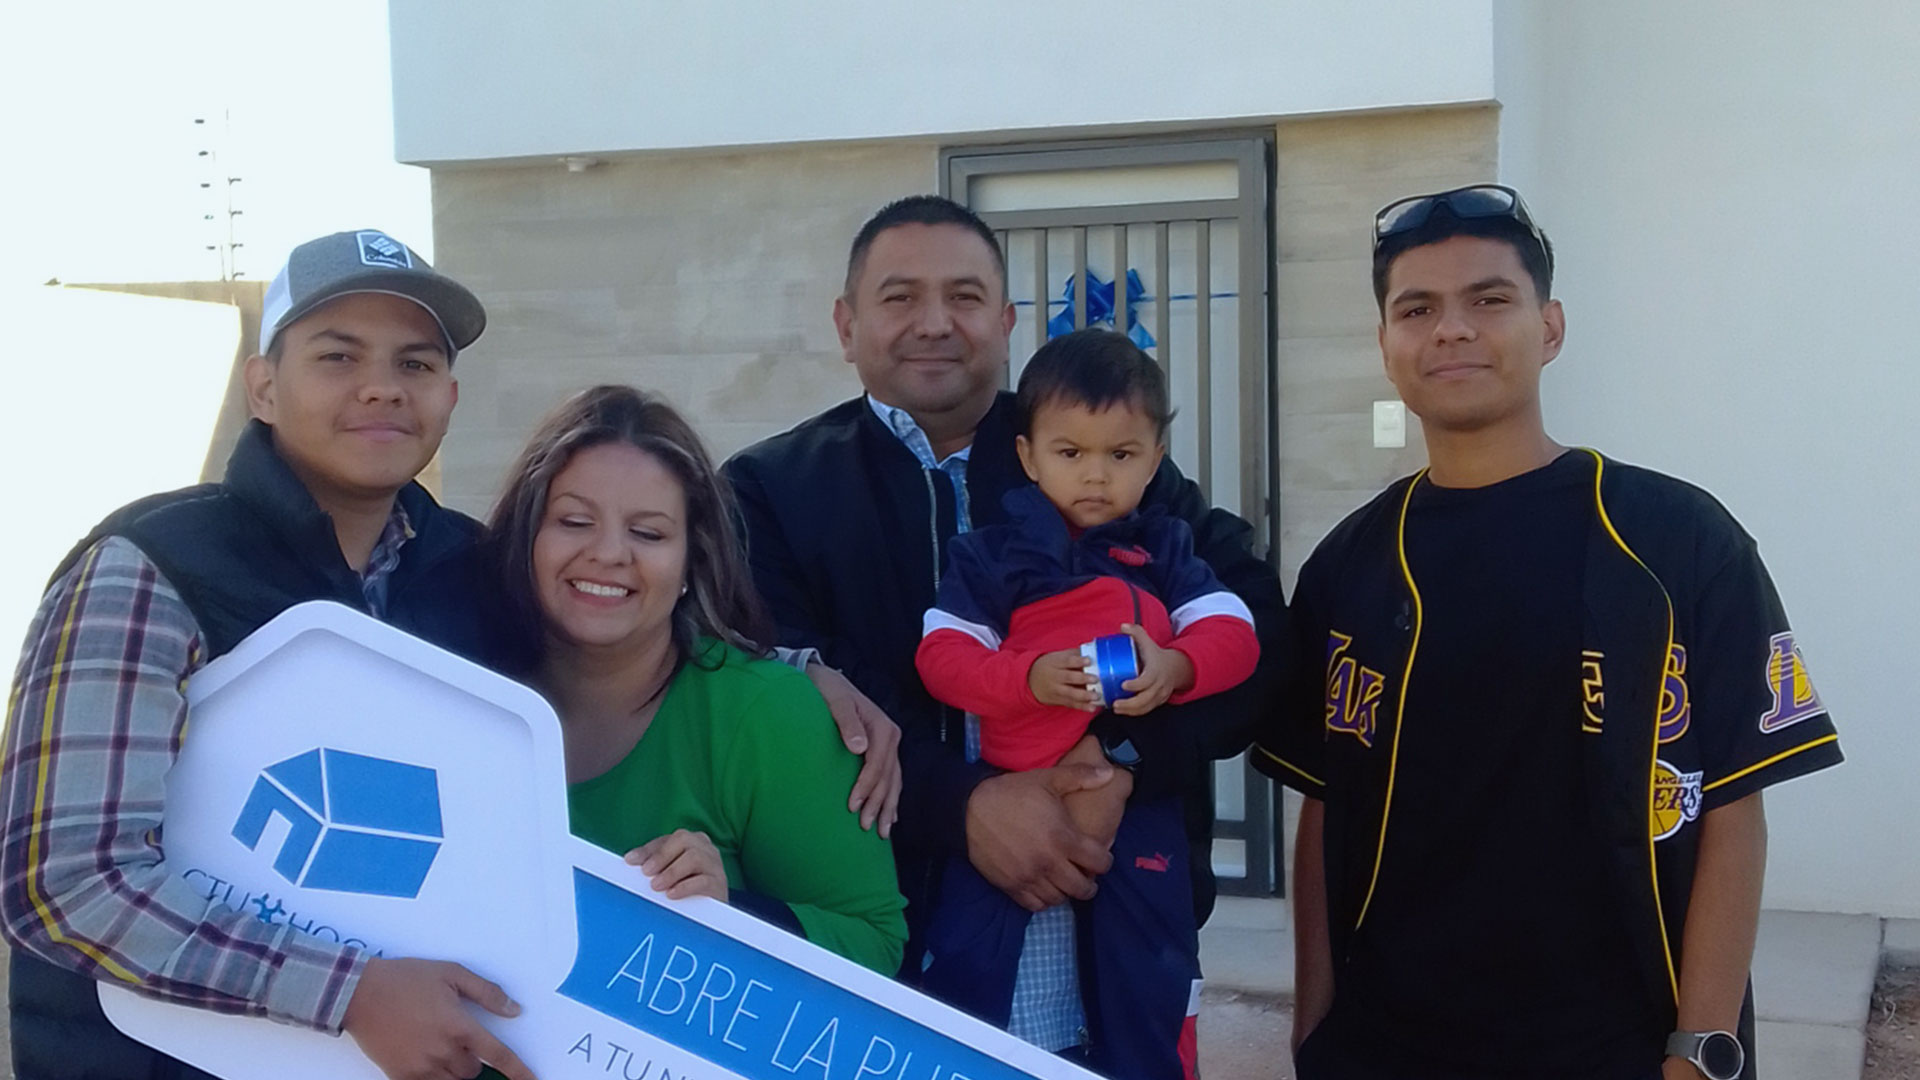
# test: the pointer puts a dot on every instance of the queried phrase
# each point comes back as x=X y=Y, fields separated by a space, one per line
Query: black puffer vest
x=240 y=552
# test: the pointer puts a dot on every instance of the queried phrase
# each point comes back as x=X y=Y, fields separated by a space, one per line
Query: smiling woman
x=610 y=558
x=625 y=601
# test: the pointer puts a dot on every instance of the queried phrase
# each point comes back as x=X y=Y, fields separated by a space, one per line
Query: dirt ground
x=1893 y=1026
x=1244 y=1036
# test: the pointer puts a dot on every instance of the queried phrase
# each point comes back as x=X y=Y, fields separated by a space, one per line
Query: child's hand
x=1060 y=678
x=1163 y=673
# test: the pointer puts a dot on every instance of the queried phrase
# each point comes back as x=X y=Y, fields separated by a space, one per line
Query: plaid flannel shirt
x=95 y=720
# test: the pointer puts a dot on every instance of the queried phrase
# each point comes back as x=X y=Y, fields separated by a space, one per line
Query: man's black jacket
x=847 y=535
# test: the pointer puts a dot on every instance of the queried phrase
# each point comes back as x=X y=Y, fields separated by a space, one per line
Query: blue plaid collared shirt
x=1047 y=1008
x=385 y=560
x=954 y=468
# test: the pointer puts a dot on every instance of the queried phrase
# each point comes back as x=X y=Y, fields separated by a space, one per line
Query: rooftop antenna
x=217 y=195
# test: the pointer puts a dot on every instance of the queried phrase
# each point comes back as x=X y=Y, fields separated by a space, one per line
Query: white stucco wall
x=1723 y=184
x=489 y=79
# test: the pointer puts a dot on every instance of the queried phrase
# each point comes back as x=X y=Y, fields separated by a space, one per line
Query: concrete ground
x=1813 y=980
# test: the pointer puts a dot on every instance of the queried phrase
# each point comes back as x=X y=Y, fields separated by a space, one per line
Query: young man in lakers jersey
x=1536 y=697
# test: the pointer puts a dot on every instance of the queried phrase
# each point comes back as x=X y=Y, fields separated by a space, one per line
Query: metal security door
x=1168 y=242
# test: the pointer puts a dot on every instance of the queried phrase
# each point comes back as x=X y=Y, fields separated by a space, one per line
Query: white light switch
x=1389 y=424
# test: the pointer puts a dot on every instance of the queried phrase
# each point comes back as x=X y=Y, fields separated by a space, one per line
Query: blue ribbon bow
x=1100 y=308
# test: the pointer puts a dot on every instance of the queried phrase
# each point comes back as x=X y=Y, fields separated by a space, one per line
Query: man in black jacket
x=847 y=518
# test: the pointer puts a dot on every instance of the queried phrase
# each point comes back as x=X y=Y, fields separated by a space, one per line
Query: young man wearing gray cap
x=351 y=393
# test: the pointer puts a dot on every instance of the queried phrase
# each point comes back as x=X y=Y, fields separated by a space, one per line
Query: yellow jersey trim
x=1289 y=766
x=1653 y=754
x=1749 y=770
x=1400 y=708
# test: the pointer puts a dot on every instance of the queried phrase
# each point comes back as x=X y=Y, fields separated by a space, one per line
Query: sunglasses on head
x=1474 y=202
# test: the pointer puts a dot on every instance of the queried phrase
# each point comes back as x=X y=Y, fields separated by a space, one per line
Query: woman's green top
x=744 y=751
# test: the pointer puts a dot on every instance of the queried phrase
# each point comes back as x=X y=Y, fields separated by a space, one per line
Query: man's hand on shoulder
x=869 y=732
x=1022 y=840
x=409 y=1018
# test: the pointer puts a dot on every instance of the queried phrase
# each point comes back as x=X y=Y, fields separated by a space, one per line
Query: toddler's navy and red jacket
x=1013 y=592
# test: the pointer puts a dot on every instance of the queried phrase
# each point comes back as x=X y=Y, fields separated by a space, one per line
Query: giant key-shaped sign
x=349 y=781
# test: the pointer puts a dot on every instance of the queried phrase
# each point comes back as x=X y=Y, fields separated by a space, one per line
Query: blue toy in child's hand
x=1111 y=659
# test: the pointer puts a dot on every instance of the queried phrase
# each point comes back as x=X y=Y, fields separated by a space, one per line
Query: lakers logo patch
x=1794 y=699
x=1593 y=692
x=1676 y=799
x=1676 y=711
x=1353 y=692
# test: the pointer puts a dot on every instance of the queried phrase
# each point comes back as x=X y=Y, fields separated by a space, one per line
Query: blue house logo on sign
x=354 y=823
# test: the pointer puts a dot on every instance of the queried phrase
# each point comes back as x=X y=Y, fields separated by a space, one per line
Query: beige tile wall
x=709 y=278
x=1331 y=174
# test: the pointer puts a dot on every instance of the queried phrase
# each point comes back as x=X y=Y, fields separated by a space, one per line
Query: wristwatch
x=1717 y=1054
x=1114 y=743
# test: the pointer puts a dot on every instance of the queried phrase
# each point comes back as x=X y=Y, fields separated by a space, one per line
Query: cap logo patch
x=1676 y=799
x=379 y=249
x=1794 y=698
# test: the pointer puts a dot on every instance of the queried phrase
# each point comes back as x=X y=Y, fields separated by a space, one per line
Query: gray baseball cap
x=368 y=261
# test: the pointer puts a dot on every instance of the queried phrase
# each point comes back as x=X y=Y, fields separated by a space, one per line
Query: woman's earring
x=683 y=588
